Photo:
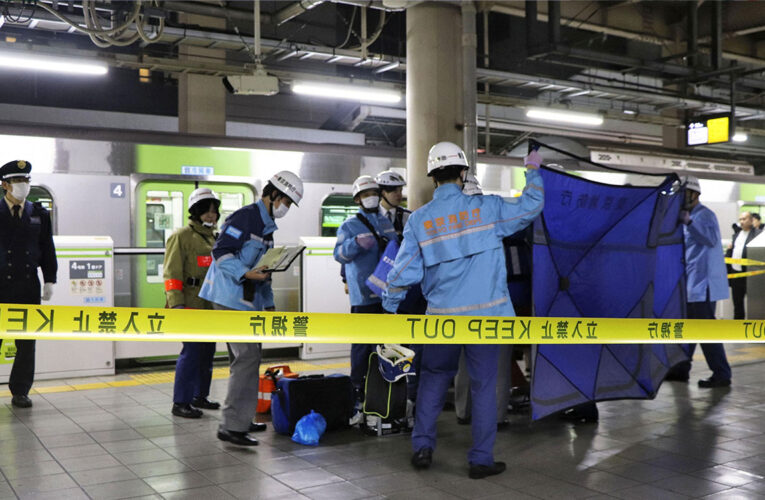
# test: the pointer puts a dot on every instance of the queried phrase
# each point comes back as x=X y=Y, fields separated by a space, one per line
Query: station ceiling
x=647 y=66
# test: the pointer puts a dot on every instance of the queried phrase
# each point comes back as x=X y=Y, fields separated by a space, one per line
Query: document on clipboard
x=278 y=259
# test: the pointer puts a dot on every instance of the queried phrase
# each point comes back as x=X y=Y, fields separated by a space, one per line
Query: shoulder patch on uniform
x=234 y=232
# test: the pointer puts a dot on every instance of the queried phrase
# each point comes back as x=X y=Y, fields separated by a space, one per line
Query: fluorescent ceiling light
x=347 y=92
x=740 y=137
x=628 y=111
x=33 y=62
x=554 y=115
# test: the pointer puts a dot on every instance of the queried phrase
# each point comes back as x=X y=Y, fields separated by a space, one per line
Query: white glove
x=533 y=160
x=47 y=291
x=365 y=241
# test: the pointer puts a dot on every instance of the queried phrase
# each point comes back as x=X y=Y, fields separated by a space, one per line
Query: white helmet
x=389 y=178
x=200 y=194
x=446 y=154
x=289 y=184
x=364 y=183
x=691 y=182
x=471 y=185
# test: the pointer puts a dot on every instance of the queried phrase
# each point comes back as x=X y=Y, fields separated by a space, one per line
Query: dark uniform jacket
x=25 y=245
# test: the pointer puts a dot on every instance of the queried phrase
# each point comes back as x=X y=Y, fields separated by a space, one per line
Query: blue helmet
x=395 y=361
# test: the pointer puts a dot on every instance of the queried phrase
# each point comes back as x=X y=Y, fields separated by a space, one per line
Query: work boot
x=422 y=458
x=482 y=471
x=21 y=401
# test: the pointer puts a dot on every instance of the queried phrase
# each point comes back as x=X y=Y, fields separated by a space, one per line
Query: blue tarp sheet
x=605 y=251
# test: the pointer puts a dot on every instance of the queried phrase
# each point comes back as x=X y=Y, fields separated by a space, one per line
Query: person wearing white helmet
x=233 y=282
x=187 y=257
x=391 y=194
x=453 y=247
x=361 y=240
x=706 y=281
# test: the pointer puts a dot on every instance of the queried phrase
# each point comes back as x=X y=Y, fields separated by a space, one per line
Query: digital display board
x=701 y=131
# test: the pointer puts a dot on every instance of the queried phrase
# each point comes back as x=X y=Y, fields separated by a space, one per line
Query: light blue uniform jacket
x=245 y=236
x=453 y=247
x=360 y=263
x=704 y=257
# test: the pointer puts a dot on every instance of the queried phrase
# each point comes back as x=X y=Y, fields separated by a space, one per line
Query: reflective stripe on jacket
x=453 y=247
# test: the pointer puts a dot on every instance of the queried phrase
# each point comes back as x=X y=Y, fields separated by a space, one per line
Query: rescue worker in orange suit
x=187 y=257
x=26 y=243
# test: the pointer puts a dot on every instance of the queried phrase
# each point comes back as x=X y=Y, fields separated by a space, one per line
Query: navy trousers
x=360 y=352
x=714 y=353
x=23 y=371
x=437 y=369
x=193 y=371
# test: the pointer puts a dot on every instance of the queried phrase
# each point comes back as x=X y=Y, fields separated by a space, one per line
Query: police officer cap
x=15 y=168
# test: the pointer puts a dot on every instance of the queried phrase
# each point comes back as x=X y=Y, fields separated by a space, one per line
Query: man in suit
x=741 y=239
x=26 y=243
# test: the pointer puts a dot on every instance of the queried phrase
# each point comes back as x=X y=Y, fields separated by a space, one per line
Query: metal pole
x=693 y=33
x=469 y=48
x=256 y=30
x=716 y=32
x=553 y=22
x=531 y=23
x=487 y=111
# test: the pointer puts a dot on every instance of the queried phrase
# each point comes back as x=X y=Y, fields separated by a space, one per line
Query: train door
x=162 y=208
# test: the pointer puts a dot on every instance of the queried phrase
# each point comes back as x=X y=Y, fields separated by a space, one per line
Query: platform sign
x=701 y=131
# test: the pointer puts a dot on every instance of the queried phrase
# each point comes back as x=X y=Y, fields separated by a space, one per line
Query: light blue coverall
x=360 y=263
x=453 y=247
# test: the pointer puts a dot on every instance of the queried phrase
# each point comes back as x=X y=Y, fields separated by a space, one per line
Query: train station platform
x=114 y=437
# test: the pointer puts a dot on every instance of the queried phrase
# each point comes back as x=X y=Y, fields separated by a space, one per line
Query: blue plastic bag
x=309 y=429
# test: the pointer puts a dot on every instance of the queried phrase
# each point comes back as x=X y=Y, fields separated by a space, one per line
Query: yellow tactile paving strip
x=167 y=376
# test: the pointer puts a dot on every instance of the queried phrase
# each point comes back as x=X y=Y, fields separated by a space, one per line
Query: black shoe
x=482 y=471
x=422 y=458
x=185 y=410
x=20 y=401
x=464 y=421
x=205 y=403
x=586 y=413
x=257 y=427
x=712 y=382
x=238 y=438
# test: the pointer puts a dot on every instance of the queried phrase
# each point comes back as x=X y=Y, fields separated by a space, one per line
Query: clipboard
x=279 y=259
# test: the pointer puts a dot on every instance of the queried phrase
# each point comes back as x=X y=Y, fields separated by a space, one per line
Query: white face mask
x=281 y=210
x=208 y=224
x=20 y=190
x=370 y=202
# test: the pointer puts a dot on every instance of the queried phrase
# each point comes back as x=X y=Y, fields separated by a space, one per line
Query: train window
x=164 y=214
x=334 y=210
x=229 y=203
x=43 y=196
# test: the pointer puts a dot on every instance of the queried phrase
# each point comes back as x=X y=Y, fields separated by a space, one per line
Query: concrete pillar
x=201 y=98
x=433 y=89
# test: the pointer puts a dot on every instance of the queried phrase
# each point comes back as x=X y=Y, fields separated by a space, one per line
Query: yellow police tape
x=171 y=325
x=744 y=262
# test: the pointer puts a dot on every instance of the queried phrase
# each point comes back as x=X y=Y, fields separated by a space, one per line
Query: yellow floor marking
x=168 y=376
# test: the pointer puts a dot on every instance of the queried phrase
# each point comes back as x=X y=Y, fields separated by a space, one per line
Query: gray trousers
x=462 y=402
x=242 y=396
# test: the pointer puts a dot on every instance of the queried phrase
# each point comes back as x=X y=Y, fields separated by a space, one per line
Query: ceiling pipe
x=295 y=9
x=715 y=30
x=469 y=48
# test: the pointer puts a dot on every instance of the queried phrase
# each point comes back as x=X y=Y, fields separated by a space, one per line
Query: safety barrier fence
x=20 y=321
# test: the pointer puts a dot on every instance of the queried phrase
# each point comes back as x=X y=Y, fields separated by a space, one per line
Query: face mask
x=370 y=202
x=208 y=224
x=20 y=190
x=280 y=211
